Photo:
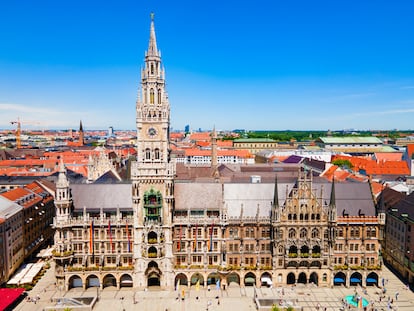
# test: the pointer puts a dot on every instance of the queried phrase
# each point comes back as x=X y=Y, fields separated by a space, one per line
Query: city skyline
x=264 y=66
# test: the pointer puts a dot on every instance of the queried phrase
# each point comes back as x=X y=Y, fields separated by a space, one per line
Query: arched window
x=152 y=96
x=152 y=69
x=157 y=154
x=292 y=233
x=315 y=233
x=147 y=154
x=159 y=96
x=303 y=233
x=301 y=216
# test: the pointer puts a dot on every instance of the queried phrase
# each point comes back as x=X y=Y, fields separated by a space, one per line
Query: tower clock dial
x=152 y=132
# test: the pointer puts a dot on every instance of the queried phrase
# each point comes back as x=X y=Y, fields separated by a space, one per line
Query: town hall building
x=261 y=225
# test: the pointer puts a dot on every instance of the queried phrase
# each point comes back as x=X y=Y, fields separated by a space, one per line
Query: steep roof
x=107 y=196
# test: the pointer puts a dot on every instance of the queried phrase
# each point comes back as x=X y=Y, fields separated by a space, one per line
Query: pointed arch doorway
x=153 y=274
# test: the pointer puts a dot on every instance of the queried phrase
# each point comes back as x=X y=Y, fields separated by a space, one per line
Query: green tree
x=342 y=163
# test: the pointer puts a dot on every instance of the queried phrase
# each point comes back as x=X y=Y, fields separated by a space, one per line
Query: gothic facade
x=225 y=224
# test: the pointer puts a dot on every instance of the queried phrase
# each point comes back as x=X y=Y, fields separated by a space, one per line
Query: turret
x=63 y=200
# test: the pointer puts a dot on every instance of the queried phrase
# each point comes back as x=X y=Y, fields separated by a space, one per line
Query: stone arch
x=92 y=281
x=108 y=280
x=266 y=279
x=314 y=278
x=126 y=281
x=250 y=279
x=372 y=279
x=152 y=237
x=356 y=279
x=182 y=278
x=152 y=252
x=293 y=249
x=291 y=279
x=197 y=277
x=153 y=274
x=304 y=251
x=302 y=278
x=316 y=249
x=292 y=263
x=212 y=278
x=233 y=278
x=316 y=263
x=339 y=278
x=75 y=281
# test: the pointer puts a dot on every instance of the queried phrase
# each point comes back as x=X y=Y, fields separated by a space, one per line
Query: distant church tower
x=81 y=135
x=152 y=176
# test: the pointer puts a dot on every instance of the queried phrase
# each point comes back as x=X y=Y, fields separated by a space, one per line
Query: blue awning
x=339 y=280
x=372 y=280
x=355 y=280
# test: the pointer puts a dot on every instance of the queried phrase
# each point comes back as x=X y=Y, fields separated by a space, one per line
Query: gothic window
x=290 y=217
x=313 y=217
x=147 y=154
x=159 y=98
x=157 y=154
x=280 y=249
x=295 y=217
x=152 y=69
x=292 y=233
x=301 y=216
x=315 y=233
x=303 y=233
x=306 y=216
x=318 y=216
x=152 y=96
x=326 y=234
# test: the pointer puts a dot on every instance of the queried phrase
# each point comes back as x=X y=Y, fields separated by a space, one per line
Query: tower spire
x=152 y=45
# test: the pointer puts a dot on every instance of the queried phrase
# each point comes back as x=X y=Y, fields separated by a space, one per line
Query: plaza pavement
x=309 y=297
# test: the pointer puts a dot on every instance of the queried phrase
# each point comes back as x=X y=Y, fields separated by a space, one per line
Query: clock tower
x=152 y=176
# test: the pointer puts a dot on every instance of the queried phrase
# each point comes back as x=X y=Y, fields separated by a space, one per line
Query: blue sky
x=264 y=64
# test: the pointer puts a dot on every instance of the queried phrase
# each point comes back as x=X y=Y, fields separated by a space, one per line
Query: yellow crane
x=19 y=130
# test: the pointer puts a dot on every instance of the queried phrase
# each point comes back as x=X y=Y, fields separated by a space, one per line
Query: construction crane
x=18 y=132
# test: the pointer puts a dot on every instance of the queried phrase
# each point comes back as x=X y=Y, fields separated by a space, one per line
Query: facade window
x=159 y=96
x=147 y=154
x=292 y=233
x=303 y=233
x=157 y=154
x=152 y=96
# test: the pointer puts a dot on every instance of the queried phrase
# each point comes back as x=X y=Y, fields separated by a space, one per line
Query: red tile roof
x=200 y=136
x=372 y=167
x=388 y=156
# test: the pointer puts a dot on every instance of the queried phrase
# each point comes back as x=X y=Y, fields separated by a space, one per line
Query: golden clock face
x=152 y=132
